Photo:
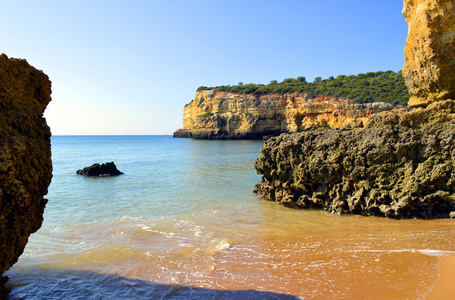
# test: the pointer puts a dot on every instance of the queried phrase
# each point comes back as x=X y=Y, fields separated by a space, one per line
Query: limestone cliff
x=25 y=156
x=216 y=114
x=429 y=69
x=398 y=167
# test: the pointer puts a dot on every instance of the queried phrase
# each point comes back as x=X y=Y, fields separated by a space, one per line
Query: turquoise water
x=163 y=177
x=182 y=223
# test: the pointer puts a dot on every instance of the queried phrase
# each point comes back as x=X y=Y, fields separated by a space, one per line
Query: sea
x=183 y=223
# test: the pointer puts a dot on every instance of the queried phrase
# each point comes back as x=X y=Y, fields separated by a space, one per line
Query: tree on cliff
x=368 y=87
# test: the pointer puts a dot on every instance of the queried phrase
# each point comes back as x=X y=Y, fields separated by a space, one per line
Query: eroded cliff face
x=398 y=167
x=218 y=115
x=25 y=156
x=429 y=69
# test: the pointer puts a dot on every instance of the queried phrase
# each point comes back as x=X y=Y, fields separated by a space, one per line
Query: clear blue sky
x=129 y=67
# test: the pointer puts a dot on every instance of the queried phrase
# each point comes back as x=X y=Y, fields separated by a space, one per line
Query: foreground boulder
x=107 y=169
x=25 y=157
x=398 y=167
x=429 y=69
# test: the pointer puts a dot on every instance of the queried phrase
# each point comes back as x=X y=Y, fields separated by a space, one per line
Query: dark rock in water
x=107 y=169
x=25 y=157
x=398 y=167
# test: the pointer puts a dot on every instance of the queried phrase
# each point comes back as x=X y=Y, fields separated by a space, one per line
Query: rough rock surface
x=25 y=156
x=429 y=69
x=107 y=169
x=398 y=167
x=223 y=115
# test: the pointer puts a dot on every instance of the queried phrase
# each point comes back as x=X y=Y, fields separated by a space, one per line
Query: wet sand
x=445 y=286
x=308 y=254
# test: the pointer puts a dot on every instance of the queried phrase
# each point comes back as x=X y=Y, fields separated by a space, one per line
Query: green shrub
x=367 y=87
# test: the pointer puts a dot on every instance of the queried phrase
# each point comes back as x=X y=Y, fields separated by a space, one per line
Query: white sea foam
x=432 y=252
x=130 y=218
x=429 y=252
x=145 y=227
x=221 y=245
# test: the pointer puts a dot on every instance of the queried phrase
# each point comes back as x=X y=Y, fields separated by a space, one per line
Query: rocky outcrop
x=216 y=114
x=25 y=156
x=107 y=169
x=429 y=69
x=398 y=167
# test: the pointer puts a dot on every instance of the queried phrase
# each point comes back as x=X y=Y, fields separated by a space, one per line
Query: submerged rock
x=398 y=167
x=25 y=156
x=107 y=169
x=429 y=69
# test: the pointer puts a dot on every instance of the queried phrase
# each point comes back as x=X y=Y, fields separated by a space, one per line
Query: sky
x=129 y=67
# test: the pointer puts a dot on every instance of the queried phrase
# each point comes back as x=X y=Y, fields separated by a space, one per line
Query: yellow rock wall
x=429 y=69
x=217 y=114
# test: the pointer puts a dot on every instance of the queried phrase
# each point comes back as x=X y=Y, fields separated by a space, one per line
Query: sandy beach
x=445 y=287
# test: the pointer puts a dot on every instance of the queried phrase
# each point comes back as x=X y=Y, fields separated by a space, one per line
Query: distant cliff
x=25 y=157
x=215 y=114
x=367 y=87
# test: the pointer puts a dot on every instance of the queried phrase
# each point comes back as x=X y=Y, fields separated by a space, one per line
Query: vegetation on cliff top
x=378 y=86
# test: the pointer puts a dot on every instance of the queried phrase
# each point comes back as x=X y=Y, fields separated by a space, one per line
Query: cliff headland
x=25 y=157
x=215 y=114
x=395 y=166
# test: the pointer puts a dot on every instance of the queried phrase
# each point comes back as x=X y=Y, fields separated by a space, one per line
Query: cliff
x=217 y=114
x=429 y=69
x=398 y=167
x=25 y=156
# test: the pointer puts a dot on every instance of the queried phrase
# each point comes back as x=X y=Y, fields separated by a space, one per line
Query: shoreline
x=444 y=287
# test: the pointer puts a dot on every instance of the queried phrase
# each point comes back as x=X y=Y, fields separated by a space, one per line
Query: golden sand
x=445 y=286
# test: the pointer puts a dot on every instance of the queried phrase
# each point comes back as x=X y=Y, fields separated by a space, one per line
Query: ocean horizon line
x=111 y=135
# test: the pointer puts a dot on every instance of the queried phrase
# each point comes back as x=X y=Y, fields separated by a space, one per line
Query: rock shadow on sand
x=72 y=284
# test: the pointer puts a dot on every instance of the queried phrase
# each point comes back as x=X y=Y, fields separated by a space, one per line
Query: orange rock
x=216 y=114
x=429 y=69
